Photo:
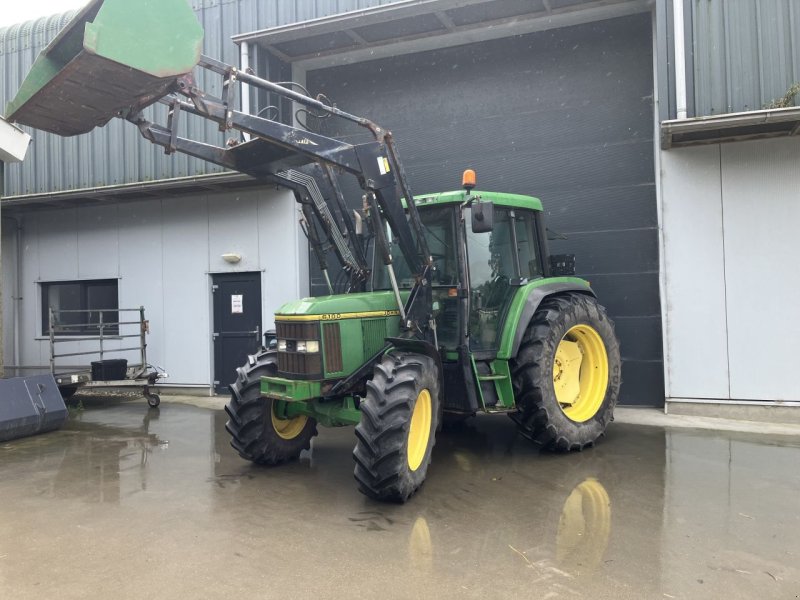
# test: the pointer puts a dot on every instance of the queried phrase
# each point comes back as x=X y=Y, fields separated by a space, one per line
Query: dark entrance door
x=237 y=323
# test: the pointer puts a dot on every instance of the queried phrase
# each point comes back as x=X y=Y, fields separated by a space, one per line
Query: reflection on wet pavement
x=132 y=502
x=585 y=525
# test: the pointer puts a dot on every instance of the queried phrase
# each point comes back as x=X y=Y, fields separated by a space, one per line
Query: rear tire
x=258 y=435
x=398 y=425
x=566 y=375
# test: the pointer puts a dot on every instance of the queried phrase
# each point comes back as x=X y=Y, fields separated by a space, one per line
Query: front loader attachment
x=114 y=56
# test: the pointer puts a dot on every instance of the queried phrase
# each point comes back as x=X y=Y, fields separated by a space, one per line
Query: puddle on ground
x=659 y=512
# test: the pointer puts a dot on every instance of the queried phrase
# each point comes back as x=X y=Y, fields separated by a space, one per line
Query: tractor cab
x=485 y=246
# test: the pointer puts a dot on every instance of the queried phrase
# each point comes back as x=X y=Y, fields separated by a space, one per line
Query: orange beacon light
x=468 y=180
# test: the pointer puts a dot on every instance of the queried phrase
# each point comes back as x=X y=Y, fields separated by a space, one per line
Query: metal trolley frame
x=138 y=375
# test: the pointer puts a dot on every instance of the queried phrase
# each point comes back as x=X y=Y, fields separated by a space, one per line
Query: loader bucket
x=30 y=405
x=113 y=55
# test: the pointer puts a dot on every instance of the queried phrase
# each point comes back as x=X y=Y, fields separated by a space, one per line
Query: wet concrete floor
x=130 y=503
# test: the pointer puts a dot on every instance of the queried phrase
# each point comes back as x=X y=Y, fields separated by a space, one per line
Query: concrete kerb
x=635 y=416
x=654 y=417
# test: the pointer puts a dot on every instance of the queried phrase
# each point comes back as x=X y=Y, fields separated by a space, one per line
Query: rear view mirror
x=482 y=216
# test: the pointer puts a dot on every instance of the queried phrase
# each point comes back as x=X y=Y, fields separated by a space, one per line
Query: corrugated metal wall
x=746 y=53
x=116 y=154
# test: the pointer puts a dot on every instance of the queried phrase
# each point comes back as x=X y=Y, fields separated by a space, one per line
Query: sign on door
x=237 y=304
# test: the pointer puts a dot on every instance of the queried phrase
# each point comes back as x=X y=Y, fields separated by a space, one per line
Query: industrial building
x=644 y=127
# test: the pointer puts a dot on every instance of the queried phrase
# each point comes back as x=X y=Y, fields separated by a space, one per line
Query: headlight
x=310 y=346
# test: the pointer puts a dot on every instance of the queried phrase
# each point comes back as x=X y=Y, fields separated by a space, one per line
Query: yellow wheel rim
x=420 y=430
x=287 y=429
x=580 y=373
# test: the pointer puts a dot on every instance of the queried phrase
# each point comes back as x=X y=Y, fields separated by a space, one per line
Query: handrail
x=101 y=326
x=61 y=340
x=91 y=310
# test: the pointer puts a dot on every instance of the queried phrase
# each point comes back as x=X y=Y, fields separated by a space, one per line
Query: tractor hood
x=341 y=306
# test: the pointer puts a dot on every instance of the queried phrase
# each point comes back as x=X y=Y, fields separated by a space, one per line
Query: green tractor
x=450 y=303
x=506 y=336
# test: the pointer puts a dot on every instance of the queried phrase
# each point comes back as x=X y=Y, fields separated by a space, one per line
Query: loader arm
x=277 y=148
x=99 y=67
x=375 y=164
x=284 y=172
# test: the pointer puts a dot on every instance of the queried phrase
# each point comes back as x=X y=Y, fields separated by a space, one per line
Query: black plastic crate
x=109 y=370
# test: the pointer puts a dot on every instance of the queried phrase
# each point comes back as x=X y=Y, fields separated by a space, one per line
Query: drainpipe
x=15 y=296
x=680 y=59
x=244 y=63
x=2 y=339
x=17 y=290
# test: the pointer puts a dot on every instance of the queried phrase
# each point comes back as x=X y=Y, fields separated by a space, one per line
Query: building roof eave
x=731 y=127
x=410 y=26
x=213 y=182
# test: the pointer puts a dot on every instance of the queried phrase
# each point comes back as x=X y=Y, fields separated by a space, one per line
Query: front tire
x=398 y=425
x=257 y=433
x=566 y=375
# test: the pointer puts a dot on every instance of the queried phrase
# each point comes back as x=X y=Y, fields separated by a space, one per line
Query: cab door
x=498 y=262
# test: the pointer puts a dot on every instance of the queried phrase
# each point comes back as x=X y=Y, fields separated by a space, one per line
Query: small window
x=81 y=307
x=529 y=263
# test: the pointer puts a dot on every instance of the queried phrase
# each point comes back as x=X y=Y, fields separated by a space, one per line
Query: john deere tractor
x=499 y=334
x=446 y=305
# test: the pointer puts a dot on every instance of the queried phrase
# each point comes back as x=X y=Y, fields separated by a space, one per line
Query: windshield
x=439 y=226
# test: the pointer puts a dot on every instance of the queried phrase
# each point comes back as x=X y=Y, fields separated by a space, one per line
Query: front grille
x=332 y=337
x=297 y=331
x=298 y=365
x=373 y=331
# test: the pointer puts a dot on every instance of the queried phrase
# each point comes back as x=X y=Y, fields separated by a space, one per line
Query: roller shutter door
x=565 y=115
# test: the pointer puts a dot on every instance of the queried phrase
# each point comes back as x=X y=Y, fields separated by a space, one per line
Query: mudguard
x=420 y=347
x=525 y=305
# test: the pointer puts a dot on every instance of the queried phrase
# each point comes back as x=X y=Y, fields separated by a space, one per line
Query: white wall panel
x=8 y=255
x=140 y=269
x=98 y=243
x=57 y=239
x=233 y=228
x=285 y=273
x=76 y=243
x=31 y=352
x=697 y=356
x=761 y=187
x=186 y=290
